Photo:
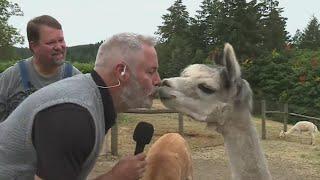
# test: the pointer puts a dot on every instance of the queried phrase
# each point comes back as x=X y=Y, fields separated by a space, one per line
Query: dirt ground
x=290 y=159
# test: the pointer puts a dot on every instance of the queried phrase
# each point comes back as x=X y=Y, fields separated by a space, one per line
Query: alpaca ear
x=229 y=60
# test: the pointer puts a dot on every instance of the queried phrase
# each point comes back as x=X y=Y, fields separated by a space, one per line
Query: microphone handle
x=139 y=148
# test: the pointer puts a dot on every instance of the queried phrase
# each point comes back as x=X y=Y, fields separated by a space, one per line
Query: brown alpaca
x=169 y=158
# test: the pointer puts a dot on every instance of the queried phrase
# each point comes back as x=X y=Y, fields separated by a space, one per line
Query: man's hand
x=128 y=168
x=37 y=177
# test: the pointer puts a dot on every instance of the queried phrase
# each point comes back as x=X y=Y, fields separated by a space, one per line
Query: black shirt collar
x=110 y=114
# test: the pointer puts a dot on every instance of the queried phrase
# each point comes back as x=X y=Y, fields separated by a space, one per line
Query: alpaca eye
x=206 y=89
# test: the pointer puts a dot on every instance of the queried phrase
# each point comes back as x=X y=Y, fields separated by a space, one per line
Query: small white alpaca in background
x=302 y=126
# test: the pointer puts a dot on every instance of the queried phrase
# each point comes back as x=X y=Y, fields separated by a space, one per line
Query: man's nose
x=59 y=46
x=157 y=81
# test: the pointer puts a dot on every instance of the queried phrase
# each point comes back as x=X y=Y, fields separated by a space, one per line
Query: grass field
x=288 y=159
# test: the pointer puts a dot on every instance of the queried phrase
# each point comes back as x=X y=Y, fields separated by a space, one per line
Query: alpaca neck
x=243 y=147
x=290 y=131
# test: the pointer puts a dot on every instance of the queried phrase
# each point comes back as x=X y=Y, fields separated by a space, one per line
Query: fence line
x=285 y=113
x=150 y=111
x=304 y=116
x=275 y=112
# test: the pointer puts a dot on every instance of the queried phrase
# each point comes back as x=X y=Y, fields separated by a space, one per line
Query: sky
x=86 y=22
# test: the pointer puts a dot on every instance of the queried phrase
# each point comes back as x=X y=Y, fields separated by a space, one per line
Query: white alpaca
x=169 y=158
x=302 y=126
x=219 y=96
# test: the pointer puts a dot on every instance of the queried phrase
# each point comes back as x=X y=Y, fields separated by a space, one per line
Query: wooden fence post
x=263 y=117
x=285 y=116
x=114 y=139
x=180 y=117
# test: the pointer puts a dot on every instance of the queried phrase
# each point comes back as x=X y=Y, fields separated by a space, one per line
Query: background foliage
x=9 y=35
x=279 y=68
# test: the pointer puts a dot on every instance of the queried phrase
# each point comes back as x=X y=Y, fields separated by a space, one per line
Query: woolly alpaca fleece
x=302 y=126
x=219 y=96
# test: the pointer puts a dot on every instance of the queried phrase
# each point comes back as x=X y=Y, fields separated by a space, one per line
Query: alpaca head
x=282 y=134
x=204 y=91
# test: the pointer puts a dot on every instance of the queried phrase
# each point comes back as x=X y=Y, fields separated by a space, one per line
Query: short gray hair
x=123 y=45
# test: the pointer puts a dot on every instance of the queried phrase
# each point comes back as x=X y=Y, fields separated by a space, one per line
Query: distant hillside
x=81 y=53
x=22 y=52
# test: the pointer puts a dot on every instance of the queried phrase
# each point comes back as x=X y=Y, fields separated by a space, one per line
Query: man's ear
x=121 y=72
x=32 y=45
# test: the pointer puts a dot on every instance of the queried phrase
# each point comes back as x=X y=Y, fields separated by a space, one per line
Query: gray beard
x=53 y=63
x=133 y=96
x=58 y=62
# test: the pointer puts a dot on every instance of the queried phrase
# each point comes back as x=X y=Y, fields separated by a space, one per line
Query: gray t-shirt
x=12 y=92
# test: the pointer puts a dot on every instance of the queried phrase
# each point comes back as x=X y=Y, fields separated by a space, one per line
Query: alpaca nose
x=165 y=82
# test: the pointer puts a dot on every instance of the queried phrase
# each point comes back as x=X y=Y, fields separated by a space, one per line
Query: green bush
x=5 y=65
x=291 y=76
x=84 y=67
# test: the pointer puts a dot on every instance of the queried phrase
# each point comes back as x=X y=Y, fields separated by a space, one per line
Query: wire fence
x=114 y=129
x=276 y=111
x=283 y=115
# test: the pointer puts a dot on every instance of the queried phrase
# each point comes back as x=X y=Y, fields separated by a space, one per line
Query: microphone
x=142 y=135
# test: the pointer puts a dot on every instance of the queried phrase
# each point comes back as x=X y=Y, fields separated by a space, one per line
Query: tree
x=233 y=21
x=274 y=31
x=174 y=56
x=175 y=48
x=8 y=34
x=239 y=25
x=176 y=22
x=251 y=27
x=206 y=22
x=296 y=39
x=310 y=38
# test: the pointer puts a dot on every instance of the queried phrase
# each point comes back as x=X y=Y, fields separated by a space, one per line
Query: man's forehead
x=45 y=31
x=149 y=50
x=148 y=63
x=148 y=57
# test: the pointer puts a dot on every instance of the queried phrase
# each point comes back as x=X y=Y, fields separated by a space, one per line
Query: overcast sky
x=91 y=21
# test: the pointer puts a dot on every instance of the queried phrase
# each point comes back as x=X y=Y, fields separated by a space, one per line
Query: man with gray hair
x=57 y=132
